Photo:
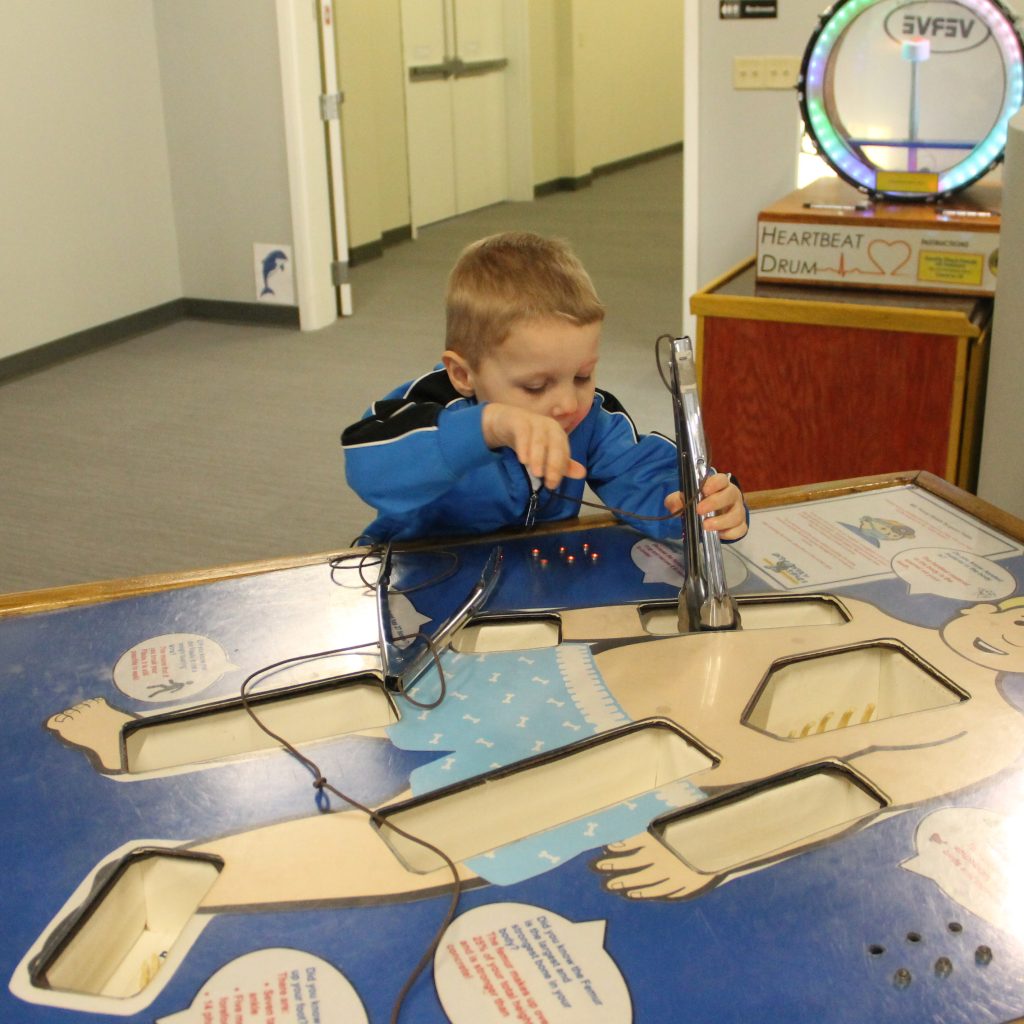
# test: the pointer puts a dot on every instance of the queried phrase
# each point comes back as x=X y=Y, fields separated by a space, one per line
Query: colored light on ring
x=846 y=161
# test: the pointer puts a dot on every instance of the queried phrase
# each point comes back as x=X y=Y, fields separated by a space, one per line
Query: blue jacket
x=418 y=457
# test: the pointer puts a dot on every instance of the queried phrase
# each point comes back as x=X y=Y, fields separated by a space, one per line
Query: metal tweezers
x=402 y=667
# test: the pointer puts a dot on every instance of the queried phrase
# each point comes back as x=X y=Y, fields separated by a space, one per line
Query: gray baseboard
x=374 y=250
x=241 y=312
x=547 y=188
x=639 y=158
x=586 y=180
x=42 y=356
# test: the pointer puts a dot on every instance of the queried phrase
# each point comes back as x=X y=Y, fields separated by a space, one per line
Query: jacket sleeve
x=632 y=472
x=412 y=446
x=635 y=472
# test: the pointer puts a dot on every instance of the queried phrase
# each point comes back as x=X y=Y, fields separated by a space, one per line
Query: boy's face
x=544 y=366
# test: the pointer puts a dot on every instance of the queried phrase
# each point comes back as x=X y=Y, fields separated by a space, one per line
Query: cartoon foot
x=94 y=727
x=641 y=868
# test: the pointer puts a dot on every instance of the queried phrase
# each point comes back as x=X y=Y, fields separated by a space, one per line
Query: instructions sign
x=901 y=532
x=855 y=253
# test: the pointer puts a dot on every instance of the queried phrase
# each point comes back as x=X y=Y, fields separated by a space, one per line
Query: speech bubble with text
x=972 y=854
x=950 y=572
x=287 y=986
x=513 y=961
x=175 y=666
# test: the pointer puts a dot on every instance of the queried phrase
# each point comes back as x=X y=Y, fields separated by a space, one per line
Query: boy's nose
x=566 y=402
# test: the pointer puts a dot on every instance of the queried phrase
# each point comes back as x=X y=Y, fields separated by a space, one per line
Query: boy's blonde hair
x=505 y=279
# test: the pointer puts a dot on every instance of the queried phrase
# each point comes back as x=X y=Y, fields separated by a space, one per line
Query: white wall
x=1000 y=474
x=145 y=147
x=144 y=153
x=88 y=224
x=746 y=151
x=607 y=82
x=221 y=81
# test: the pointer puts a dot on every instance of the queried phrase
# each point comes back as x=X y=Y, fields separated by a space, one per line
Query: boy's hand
x=540 y=444
x=721 y=497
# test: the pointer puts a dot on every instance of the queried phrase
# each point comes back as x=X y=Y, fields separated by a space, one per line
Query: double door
x=456 y=106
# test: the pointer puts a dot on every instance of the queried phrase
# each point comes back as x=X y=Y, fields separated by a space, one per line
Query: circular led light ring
x=834 y=148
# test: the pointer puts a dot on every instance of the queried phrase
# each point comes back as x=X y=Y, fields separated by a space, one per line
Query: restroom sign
x=748 y=8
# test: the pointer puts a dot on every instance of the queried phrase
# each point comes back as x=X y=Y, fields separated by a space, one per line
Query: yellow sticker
x=906 y=181
x=950 y=267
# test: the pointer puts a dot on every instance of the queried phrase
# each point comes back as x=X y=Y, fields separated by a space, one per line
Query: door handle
x=457 y=67
x=479 y=67
x=425 y=72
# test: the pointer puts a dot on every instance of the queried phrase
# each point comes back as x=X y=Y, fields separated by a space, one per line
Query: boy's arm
x=412 y=447
x=640 y=473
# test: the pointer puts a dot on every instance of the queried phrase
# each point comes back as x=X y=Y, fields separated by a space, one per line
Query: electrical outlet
x=747 y=73
x=765 y=72
x=780 y=72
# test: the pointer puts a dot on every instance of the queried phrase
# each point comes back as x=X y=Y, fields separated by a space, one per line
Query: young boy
x=507 y=429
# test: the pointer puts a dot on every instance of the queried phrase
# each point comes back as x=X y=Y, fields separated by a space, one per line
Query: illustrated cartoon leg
x=324 y=859
x=94 y=727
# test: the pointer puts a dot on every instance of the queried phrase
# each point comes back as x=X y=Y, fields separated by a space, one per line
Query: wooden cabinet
x=800 y=384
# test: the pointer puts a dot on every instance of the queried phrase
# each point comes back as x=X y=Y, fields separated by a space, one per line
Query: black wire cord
x=320 y=784
x=620 y=513
x=373 y=557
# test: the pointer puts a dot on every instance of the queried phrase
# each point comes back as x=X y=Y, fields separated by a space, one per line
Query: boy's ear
x=459 y=373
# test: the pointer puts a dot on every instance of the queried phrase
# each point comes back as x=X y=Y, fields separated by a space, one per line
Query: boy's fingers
x=557 y=468
x=674 y=502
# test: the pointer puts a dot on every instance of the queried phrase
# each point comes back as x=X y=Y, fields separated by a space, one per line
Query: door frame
x=312 y=237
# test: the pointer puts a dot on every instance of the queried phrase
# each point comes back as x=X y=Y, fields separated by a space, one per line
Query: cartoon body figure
x=704 y=682
x=909 y=757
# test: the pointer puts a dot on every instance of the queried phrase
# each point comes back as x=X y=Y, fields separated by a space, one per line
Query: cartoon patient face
x=989 y=635
x=884 y=529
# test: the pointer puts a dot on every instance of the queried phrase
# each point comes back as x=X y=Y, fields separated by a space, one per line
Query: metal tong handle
x=704 y=601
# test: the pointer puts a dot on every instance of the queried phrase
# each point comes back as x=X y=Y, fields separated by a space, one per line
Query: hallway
x=205 y=444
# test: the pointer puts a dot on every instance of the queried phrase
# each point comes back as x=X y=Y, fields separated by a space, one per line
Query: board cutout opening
x=117 y=942
x=539 y=793
x=485 y=635
x=773 y=612
x=759 y=822
x=830 y=690
x=304 y=714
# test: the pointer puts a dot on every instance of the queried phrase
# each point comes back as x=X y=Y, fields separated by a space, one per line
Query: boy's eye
x=584 y=380
x=534 y=389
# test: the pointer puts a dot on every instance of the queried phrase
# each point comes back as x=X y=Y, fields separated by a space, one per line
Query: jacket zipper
x=530 y=515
